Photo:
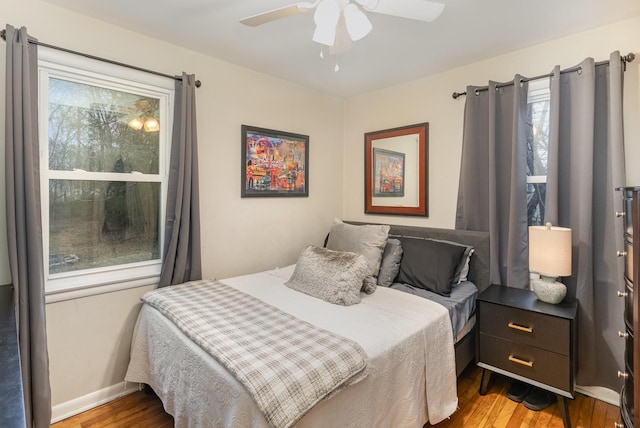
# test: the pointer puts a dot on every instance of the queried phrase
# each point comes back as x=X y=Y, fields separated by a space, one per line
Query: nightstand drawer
x=526 y=327
x=533 y=363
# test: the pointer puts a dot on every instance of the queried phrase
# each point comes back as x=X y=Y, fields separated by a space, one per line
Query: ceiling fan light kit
x=334 y=18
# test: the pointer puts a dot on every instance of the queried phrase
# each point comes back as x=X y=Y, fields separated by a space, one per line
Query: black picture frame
x=274 y=163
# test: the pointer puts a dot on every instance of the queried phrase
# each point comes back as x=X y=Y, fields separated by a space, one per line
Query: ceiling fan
x=335 y=18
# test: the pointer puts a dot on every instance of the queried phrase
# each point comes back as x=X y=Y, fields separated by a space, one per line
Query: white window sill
x=80 y=292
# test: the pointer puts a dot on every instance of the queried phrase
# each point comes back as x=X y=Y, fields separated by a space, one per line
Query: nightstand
x=529 y=340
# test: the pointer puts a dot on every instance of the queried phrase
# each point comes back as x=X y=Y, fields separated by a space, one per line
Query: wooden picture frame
x=395 y=171
x=274 y=163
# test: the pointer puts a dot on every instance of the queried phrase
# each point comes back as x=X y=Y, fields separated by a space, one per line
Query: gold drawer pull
x=618 y=425
x=624 y=335
x=622 y=293
x=619 y=213
x=623 y=375
x=519 y=361
x=621 y=253
x=520 y=327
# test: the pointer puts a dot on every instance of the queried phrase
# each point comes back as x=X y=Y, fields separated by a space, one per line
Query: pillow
x=368 y=240
x=390 y=264
x=462 y=270
x=333 y=276
x=429 y=264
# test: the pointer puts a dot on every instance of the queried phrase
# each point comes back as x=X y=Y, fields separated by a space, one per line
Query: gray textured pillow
x=333 y=276
x=368 y=240
x=390 y=264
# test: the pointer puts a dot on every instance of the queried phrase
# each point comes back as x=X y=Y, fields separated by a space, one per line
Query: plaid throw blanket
x=286 y=364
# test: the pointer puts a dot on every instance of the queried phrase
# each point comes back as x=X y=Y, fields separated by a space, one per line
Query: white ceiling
x=396 y=50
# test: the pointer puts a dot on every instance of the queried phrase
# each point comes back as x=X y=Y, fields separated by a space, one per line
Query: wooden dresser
x=630 y=395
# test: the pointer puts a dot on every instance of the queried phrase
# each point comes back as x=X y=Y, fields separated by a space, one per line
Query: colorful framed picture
x=395 y=171
x=274 y=163
x=388 y=173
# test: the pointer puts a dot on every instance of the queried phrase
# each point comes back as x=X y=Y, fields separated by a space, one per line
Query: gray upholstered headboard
x=479 y=265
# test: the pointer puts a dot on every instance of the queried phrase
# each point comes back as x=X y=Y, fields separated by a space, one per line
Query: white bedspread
x=408 y=340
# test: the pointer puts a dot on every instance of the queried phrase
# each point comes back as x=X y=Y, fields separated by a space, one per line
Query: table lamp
x=550 y=256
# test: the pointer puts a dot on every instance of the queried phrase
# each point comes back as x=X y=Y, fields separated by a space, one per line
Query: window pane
x=537 y=148
x=98 y=129
x=535 y=203
x=95 y=224
x=538 y=128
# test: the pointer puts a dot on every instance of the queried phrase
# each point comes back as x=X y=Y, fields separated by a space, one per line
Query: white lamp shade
x=325 y=35
x=326 y=18
x=358 y=25
x=327 y=13
x=550 y=250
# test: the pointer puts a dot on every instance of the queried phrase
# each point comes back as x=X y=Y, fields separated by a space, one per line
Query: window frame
x=66 y=66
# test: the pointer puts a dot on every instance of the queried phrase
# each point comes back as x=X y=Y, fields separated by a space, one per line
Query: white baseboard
x=113 y=392
x=86 y=402
x=600 y=393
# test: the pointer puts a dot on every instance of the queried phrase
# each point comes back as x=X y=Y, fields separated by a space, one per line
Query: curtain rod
x=3 y=34
x=625 y=59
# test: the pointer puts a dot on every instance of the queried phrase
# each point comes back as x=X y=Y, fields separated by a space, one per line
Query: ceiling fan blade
x=272 y=15
x=421 y=10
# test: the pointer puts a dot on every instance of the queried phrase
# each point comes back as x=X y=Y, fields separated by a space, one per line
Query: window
x=104 y=139
x=537 y=145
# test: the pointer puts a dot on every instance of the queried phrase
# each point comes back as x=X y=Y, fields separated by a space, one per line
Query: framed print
x=388 y=173
x=395 y=171
x=274 y=163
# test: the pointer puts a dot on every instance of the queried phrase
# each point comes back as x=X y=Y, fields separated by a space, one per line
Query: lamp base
x=549 y=291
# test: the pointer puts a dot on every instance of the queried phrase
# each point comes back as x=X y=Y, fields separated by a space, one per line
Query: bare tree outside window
x=537 y=150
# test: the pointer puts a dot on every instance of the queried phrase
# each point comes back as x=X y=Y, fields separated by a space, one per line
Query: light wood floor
x=495 y=410
x=491 y=410
x=134 y=410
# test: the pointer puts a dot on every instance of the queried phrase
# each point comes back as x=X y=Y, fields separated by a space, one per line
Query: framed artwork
x=274 y=163
x=395 y=171
x=388 y=173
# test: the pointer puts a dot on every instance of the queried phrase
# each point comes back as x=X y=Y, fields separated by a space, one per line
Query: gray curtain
x=586 y=164
x=492 y=194
x=24 y=225
x=181 y=257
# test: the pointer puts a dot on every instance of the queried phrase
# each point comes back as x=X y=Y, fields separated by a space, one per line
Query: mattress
x=461 y=304
x=409 y=342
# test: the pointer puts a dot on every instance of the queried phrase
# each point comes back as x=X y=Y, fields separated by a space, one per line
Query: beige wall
x=429 y=100
x=89 y=337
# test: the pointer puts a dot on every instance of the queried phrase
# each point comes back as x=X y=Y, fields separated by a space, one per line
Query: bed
x=407 y=341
